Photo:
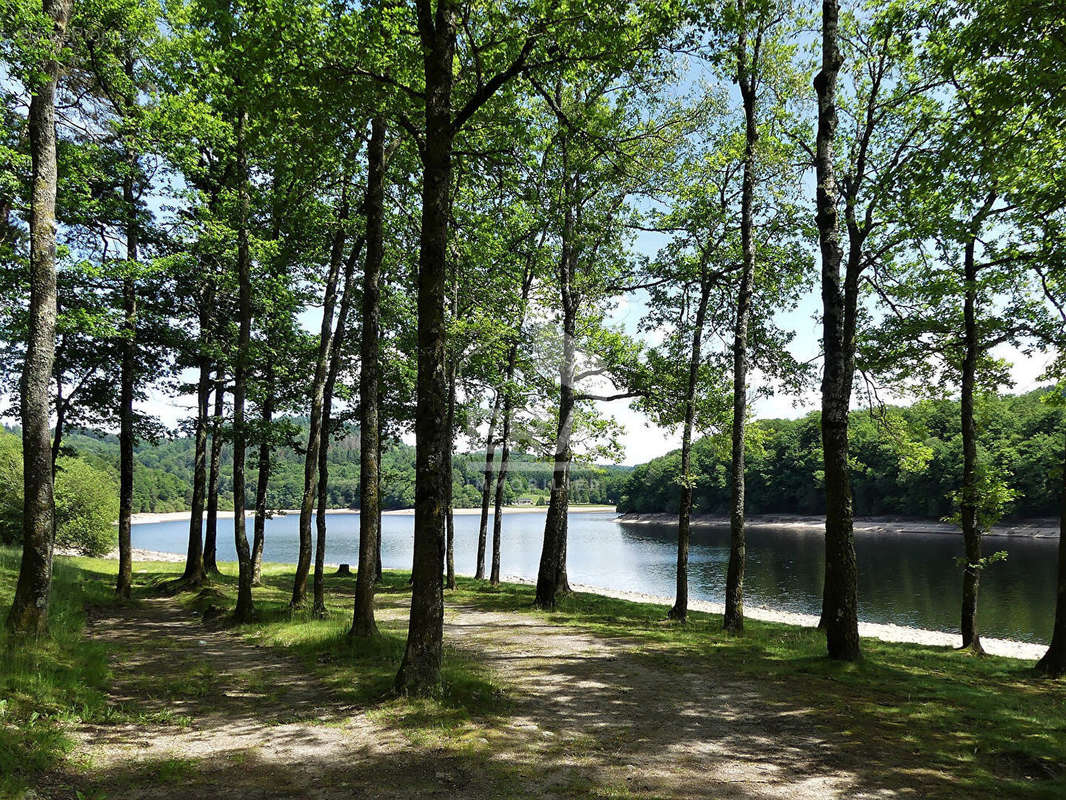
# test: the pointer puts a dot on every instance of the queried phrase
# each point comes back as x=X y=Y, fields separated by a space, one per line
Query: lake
x=907 y=579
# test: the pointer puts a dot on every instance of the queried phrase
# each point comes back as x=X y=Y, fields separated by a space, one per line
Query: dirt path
x=209 y=712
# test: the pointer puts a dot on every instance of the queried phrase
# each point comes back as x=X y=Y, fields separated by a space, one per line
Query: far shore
x=184 y=516
x=1028 y=528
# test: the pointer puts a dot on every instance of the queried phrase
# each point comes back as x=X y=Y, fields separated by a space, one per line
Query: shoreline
x=147 y=517
x=1029 y=528
x=883 y=631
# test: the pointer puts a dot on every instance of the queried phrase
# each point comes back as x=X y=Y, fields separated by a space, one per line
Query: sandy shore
x=1032 y=528
x=873 y=630
x=183 y=516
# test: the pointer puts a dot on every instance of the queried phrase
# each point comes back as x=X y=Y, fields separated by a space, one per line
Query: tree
x=363 y=623
x=29 y=609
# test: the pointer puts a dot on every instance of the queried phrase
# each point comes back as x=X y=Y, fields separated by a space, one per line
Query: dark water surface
x=907 y=579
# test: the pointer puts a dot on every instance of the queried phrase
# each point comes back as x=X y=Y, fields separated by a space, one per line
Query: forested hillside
x=905 y=461
x=164 y=474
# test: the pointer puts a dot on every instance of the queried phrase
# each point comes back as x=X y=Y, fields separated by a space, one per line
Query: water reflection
x=908 y=579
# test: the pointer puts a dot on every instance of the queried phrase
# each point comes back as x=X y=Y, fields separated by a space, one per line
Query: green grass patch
x=988 y=721
x=47 y=681
x=936 y=720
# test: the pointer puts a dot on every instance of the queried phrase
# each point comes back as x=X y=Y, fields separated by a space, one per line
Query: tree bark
x=29 y=610
x=245 y=609
x=61 y=417
x=551 y=576
x=505 y=433
x=486 y=490
x=262 y=483
x=449 y=519
x=679 y=611
x=127 y=383
x=501 y=479
x=733 y=619
x=195 y=557
x=971 y=533
x=319 y=604
x=419 y=671
x=840 y=597
x=363 y=623
x=318 y=384
x=1053 y=663
x=211 y=531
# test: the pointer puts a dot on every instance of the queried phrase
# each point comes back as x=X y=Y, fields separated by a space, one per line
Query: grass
x=47 y=682
x=988 y=719
x=988 y=724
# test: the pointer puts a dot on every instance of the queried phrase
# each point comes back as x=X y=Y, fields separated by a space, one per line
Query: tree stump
x=344 y=569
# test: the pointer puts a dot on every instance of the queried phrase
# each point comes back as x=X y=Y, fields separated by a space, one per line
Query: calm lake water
x=907 y=579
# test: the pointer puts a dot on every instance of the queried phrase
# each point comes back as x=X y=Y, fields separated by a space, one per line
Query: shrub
x=86 y=507
x=86 y=501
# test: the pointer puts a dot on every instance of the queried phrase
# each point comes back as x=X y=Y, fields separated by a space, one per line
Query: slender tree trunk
x=505 y=433
x=420 y=669
x=318 y=607
x=262 y=483
x=733 y=620
x=336 y=348
x=501 y=480
x=245 y=609
x=551 y=576
x=840 y=598
x=61 y=423
x=363 y=623
x=29 y=610
x=971 y=533
x=449 y=520
x=195 y=555
x=318 y=384
x=377 y=555
x=486 y=489
x=679 y=611
x=127 y=382
x=211 y=531
x=1053 y=663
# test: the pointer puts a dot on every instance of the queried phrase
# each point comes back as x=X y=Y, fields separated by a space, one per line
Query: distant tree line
x=905 y=461
x=164 y=469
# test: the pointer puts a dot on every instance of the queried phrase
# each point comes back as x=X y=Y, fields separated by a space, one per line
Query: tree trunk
x=505 y=433
x=318 y=384
x=29 y=611
x=244 y=610
x=195 y=557
x=262 y=483
x=61 y=421
x=679 y=611
x=318 y=607
x=420 y=670
x=1053 y=663
x=733 y=620
x=211 y=531
x=336 y=347
x=501 y=479
x=363 y=623
x=551 y=576
x=486 y=490
x=840 y=597
x=971 y=533
x=127 y=383
x=449 y=520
